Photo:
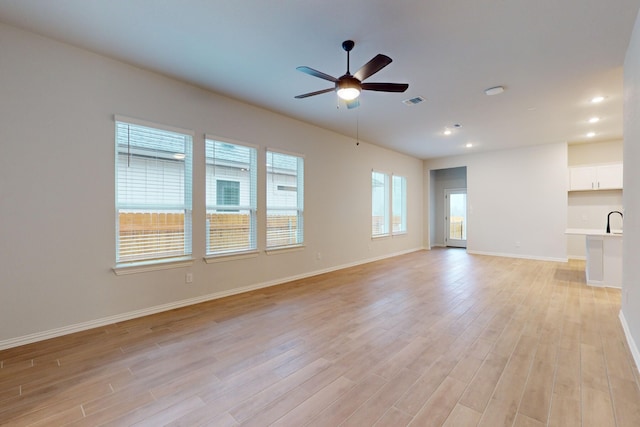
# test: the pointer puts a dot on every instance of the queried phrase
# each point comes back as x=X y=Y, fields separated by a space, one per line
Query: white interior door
x=455 y=218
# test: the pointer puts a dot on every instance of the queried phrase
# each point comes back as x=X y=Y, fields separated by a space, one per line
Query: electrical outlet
x=188 y=278
x=319 y=256
x=517 y=243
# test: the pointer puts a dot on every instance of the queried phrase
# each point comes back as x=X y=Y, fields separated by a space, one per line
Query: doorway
x=441 y=180
x=455 y=217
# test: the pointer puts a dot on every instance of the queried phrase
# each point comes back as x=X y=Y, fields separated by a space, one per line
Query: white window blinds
x=231 y=180
x=285 y=200
x=153 y=193
x=399 y=204
x=379 y=204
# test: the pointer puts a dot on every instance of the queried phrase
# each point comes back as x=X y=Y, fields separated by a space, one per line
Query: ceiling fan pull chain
x=357 y=127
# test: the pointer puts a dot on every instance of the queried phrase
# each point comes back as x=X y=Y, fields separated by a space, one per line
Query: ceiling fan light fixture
x=348 y=88
x=348 y=93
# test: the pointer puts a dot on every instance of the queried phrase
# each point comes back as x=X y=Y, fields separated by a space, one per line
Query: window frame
x=386 y=208
x=403 y=207
x=299 y=234
x=150 y=263
x=252 y=248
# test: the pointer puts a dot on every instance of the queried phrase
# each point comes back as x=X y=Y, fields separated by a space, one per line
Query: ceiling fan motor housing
x=347 y=81
x=347 y=45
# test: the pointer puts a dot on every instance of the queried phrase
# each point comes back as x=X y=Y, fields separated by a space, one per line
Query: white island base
x=604 y=257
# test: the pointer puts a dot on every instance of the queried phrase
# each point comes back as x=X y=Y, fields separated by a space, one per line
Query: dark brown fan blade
x=317 y=73
x=385 y=87
x=318 y=92
x=370 y=68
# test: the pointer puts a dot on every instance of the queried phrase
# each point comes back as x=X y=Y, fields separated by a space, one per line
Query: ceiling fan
x=348 y=87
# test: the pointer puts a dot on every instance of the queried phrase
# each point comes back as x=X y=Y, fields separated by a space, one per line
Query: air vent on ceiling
x=413 y=101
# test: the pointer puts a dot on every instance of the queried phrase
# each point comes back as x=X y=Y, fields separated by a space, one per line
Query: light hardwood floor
x=430 y=338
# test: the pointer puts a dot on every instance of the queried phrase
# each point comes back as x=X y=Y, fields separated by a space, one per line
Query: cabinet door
x=610 y=177
x=583 y=178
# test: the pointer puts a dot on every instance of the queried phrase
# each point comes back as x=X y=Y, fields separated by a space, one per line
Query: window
x=153 y=192
x=379 y=204
x=231 y=177
x=383 y=216
x=227 y=193
x=285 y=200
x=398 y=204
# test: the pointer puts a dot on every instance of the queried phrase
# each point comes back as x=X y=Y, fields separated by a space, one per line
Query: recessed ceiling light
x=496 y=90
x=457 y=125
x=591 y=134
x=597 y=99
x=447 y=132
x=594 y=119
x=469 y=145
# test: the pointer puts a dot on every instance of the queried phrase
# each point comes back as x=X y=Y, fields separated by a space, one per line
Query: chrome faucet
x=608 y=216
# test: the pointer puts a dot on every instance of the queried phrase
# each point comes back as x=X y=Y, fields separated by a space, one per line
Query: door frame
x=456 y=243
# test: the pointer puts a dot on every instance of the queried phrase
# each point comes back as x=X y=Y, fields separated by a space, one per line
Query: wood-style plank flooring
x=432 y=338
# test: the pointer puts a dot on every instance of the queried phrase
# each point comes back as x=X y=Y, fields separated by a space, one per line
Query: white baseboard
x=520 y=256
x=632 y=344
x=78 y=327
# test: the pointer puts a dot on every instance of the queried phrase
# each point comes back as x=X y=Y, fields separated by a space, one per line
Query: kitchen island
x=604 y=256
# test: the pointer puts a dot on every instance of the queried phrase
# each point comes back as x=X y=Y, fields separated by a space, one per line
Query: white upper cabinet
x=600 y=177
x=583 y=178
x=610 y=177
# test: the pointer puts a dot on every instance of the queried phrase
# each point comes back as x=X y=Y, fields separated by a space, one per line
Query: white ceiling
x=552 y=57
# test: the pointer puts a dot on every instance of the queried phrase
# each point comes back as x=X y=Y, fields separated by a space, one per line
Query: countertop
x=593 y=232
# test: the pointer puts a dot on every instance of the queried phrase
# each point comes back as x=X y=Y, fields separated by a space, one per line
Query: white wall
x=630 y=312
x=57 y=189
x=595 y=153
x=589 y=209
x=516 y=200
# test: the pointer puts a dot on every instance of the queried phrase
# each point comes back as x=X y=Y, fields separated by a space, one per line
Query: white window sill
x=380 y=236
x=231 y=256
x=400 y=233
x=145 y=266
x=284 y=249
